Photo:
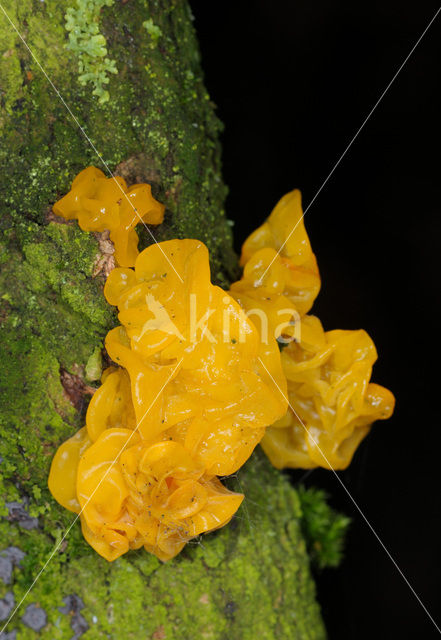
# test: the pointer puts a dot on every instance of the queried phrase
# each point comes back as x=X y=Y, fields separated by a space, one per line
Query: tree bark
x=252 y=578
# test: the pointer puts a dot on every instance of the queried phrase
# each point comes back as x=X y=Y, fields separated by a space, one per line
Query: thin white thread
x=245 y=501
x=356 y=505
x=352 y=141
x=104 y=163
x=57 y=546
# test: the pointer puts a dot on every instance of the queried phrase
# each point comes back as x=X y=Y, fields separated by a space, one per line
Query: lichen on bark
x=252 y=578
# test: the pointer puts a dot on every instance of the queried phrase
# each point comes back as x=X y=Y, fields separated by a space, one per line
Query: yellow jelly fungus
x=330 y=392
x=191 y=398
x=63 y=473
x=220 y=375
x=100 y=203
x=219 y=430
x=328 y=373
x=283 y=243
x=133 y=494
x=111 y=405
x=200 y=378
x=263 y=294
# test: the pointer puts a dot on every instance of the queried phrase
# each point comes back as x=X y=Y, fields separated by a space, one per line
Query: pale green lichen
x=153 y=30
x=94 y=365
x=89 y=45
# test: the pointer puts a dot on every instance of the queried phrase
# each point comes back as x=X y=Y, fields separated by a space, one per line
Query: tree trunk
x=252 y=578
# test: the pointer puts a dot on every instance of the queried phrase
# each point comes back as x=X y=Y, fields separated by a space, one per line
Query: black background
x=293 y=81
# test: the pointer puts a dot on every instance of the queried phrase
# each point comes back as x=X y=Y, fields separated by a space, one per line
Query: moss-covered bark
x=252 y=578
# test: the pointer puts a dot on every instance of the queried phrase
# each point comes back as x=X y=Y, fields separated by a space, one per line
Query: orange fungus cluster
x=188 y=402
x=199 y=377
x=332 y=402
x=107 y=204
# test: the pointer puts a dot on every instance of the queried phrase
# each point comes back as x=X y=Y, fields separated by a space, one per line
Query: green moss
x=250 y=580
x=323 y=527
x=10 y=71
x=52 y=317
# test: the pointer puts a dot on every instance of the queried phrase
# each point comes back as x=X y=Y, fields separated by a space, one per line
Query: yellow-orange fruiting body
x=111 y=405
x=63 y=473
x=293 y=278
x=199 y=383
x=219 y=396
x=132 y=494
x=100 y=203
x=332 y=401
x=190 y=400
